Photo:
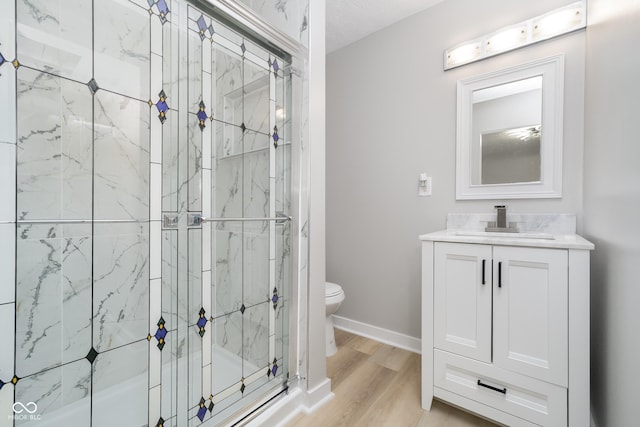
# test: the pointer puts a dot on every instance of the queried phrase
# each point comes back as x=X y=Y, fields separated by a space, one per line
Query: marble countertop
x=559 y=241
x=556 y=230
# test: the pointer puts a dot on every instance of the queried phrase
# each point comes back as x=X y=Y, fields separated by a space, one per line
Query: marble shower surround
x=55 y=147
x=54 y=292
x=126 y=264
x=82 y=288
x=290 y=16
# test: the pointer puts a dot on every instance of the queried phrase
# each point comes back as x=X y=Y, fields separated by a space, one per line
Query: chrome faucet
x=500 y=224
x=501 y=221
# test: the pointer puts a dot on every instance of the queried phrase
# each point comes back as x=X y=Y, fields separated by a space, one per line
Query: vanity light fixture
x=557 y=22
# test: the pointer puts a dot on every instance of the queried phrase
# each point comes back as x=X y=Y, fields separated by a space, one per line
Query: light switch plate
x=425 y=190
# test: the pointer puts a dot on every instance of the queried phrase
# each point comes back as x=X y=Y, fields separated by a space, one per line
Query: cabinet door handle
x=484 y=266
x=490 y=387
x=499 y=274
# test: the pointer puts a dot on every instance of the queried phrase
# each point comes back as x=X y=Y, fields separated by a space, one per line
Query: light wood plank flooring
x=379 y=385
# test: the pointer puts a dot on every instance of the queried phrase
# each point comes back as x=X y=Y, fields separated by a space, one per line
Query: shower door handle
x=197 y=219
x=170 y=221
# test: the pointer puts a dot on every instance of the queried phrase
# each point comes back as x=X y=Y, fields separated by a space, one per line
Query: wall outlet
x=424 y=186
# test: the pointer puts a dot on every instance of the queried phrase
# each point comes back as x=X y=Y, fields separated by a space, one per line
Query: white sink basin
x=507 y=235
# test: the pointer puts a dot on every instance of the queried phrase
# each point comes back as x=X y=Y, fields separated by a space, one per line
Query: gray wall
x=391 y=114
x=612 y=207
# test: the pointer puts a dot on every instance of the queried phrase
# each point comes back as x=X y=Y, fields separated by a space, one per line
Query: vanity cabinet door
x=462 y=299
x=530 y=297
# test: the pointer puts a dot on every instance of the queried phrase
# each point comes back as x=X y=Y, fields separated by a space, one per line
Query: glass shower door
x=125 y=123
x=75 y=79
x=237 y=202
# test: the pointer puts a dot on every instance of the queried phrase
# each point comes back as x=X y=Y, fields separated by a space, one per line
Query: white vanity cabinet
x=506 y=327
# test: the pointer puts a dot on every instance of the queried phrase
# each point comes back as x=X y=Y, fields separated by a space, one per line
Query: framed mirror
x=509 y=132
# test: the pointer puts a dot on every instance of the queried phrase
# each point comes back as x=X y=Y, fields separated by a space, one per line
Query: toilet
x=333 y=295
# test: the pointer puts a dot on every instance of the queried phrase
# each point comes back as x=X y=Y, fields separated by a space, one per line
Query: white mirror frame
x=550 y=184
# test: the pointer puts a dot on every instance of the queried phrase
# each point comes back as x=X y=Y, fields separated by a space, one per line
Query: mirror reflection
x=511 y=155
x=506 y=133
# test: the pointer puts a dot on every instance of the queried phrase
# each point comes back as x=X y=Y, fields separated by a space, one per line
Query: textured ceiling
x=351 y=20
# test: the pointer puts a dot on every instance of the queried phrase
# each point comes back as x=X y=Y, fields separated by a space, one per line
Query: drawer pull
x=490 y=387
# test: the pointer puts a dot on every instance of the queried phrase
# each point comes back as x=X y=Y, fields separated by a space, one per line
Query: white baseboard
x=317 y=397
x=376 y=333
x=297 y=401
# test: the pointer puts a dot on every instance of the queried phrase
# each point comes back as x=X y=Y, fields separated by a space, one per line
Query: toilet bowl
x=334 y=295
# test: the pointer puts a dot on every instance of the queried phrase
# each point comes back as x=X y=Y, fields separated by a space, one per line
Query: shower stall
x=150 y=217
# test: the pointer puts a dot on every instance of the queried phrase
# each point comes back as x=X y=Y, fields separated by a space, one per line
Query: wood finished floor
x=379 y=385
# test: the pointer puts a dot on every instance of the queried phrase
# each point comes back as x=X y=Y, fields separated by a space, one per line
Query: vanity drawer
x=524 y=397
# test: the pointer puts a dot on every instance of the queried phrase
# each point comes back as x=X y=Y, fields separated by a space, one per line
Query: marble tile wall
x=56 y=37
x=289 y=16
x=111 y=379
x=301 y=82
x=121 y=137
x=7 y=205
x=55 y=147
x=256 y=98
x=54 y=290
x=256 y=286
x=228 y=267
x=121 y=284
x=63 y=395
x=227 y=87
x=75 y=144
x=122 y=57
x=547 y=223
